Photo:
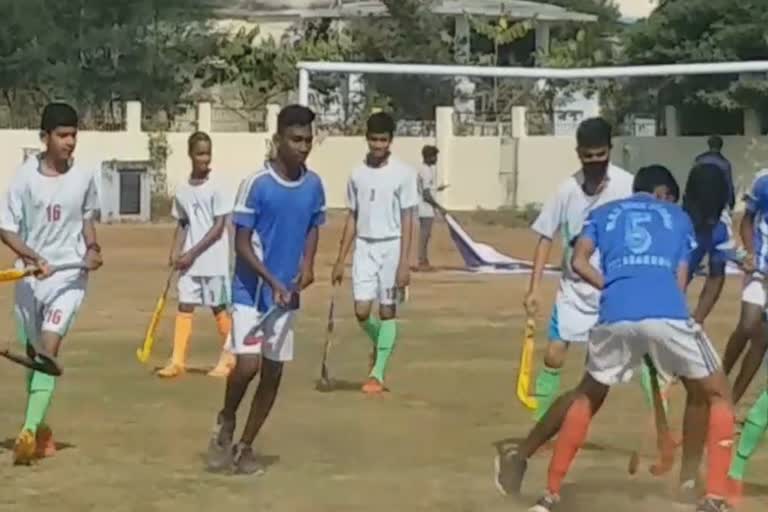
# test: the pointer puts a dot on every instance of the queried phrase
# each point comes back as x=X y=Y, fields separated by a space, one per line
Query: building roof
x=519 y=9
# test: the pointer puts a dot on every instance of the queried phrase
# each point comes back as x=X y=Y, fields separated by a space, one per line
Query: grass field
x=132 y=442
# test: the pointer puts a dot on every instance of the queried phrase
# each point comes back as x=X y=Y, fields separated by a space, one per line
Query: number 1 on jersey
x=53 y=212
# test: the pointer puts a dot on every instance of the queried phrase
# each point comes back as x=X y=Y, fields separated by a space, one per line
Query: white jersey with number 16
x=48 y=211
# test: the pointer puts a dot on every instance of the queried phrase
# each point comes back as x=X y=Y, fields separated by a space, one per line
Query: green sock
x=371 y=328
x=645 y=382
x=384 y=346
x=41 y=388
x=751 y=433
x=547 y=386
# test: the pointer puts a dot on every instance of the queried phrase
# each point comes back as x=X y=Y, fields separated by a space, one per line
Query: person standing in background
x=714 y=156
x=427 y=181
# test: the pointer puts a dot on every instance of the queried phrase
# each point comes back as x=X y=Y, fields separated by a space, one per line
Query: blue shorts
x=717 y=245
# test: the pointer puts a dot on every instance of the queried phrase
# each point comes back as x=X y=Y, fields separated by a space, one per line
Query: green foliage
x=701 y=31
x=98 y=54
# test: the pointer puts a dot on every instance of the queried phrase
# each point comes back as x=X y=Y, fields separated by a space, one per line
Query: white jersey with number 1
x=378 y=197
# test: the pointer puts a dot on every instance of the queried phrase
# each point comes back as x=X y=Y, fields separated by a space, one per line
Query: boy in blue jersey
x=277 y=217
x=644 y=244
x=752 y=326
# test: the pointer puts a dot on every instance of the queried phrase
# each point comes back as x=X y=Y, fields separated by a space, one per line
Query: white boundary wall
x=477 y=168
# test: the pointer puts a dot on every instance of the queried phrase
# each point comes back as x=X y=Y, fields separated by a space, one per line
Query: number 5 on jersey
x=53 y=212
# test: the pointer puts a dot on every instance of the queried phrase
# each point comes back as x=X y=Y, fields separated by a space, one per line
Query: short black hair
x=706 y=195
x=428 y=151
x=381 y=122
x=294 y=115
x=715 y=143
x=58 y=115
x=650 y=177
x=594 y=132
x=197 y=137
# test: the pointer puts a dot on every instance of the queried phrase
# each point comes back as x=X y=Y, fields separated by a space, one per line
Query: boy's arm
x=406 y=234
x=210 y=238
x=177 y=242
x=546 y=226
x=11 y=218
x=347 y=238
x=92 y=248
x=582 y=252
x=308 y=263
x=244 y=251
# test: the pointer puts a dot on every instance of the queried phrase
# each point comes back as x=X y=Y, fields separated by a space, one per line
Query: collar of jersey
x=39 y=167
x=281 y=180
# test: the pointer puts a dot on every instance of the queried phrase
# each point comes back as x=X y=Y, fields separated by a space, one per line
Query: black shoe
x=713 y=505
x=244 y=462
x=219 y=456
x=546 y=503
x=509 y=471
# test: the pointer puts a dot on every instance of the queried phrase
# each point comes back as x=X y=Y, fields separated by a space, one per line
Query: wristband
x=93 y=247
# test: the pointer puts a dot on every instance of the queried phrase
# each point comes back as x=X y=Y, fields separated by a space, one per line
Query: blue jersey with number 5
x=642 y=242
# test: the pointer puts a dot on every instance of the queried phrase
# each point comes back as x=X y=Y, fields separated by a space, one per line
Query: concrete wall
x=482 y=172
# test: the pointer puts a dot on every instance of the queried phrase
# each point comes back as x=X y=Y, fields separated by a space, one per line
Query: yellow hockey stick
x=143 y=352
x=525 y=374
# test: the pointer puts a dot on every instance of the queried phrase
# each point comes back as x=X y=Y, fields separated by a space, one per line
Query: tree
x=97 y=54
x=700 y=31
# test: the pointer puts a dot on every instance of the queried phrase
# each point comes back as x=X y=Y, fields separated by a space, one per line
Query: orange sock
x=719 y=448
x=573 y=433
x=223 y=325
x=181 y=337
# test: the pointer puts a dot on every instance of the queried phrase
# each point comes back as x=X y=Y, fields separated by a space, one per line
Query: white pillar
x=204 y=117
x=304 y=87
x=272 y=112
x=444 y=137
x=133 y=116
x=519 y=122
x=463 y=87
x=672 y=121
x=752 y=124
x=542 y=39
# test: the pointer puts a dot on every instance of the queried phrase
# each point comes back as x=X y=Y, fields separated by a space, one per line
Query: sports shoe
x=546 y=503
x=172 y=370
x=219 y=457
x=244 y=462
x=45 y=446
x=713 y=505
x=24 y=449
x=224 y=366
x=373 y=387
x=509 y=471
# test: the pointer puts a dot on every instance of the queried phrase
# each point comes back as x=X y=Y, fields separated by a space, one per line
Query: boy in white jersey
x=200 y=251
x=48 y=218
x=576 y=305
x=381 y=197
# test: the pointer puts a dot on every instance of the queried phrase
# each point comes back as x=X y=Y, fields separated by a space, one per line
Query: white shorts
x=210 y=291
x=677 y=348
x=374 y=270
x=571 y=323
x=274 y=339
x=754 y=291
x=50 y=304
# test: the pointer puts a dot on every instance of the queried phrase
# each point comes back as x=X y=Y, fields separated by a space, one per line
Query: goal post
x=306 y=69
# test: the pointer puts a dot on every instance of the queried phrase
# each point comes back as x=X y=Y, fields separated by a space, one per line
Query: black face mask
x=594 y=169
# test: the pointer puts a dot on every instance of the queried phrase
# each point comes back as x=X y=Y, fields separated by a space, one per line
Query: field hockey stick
x=145 y=350
x=525 y=372
x=36 y=359
x=14 y=274
x=324 y=383
x=665 y=444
